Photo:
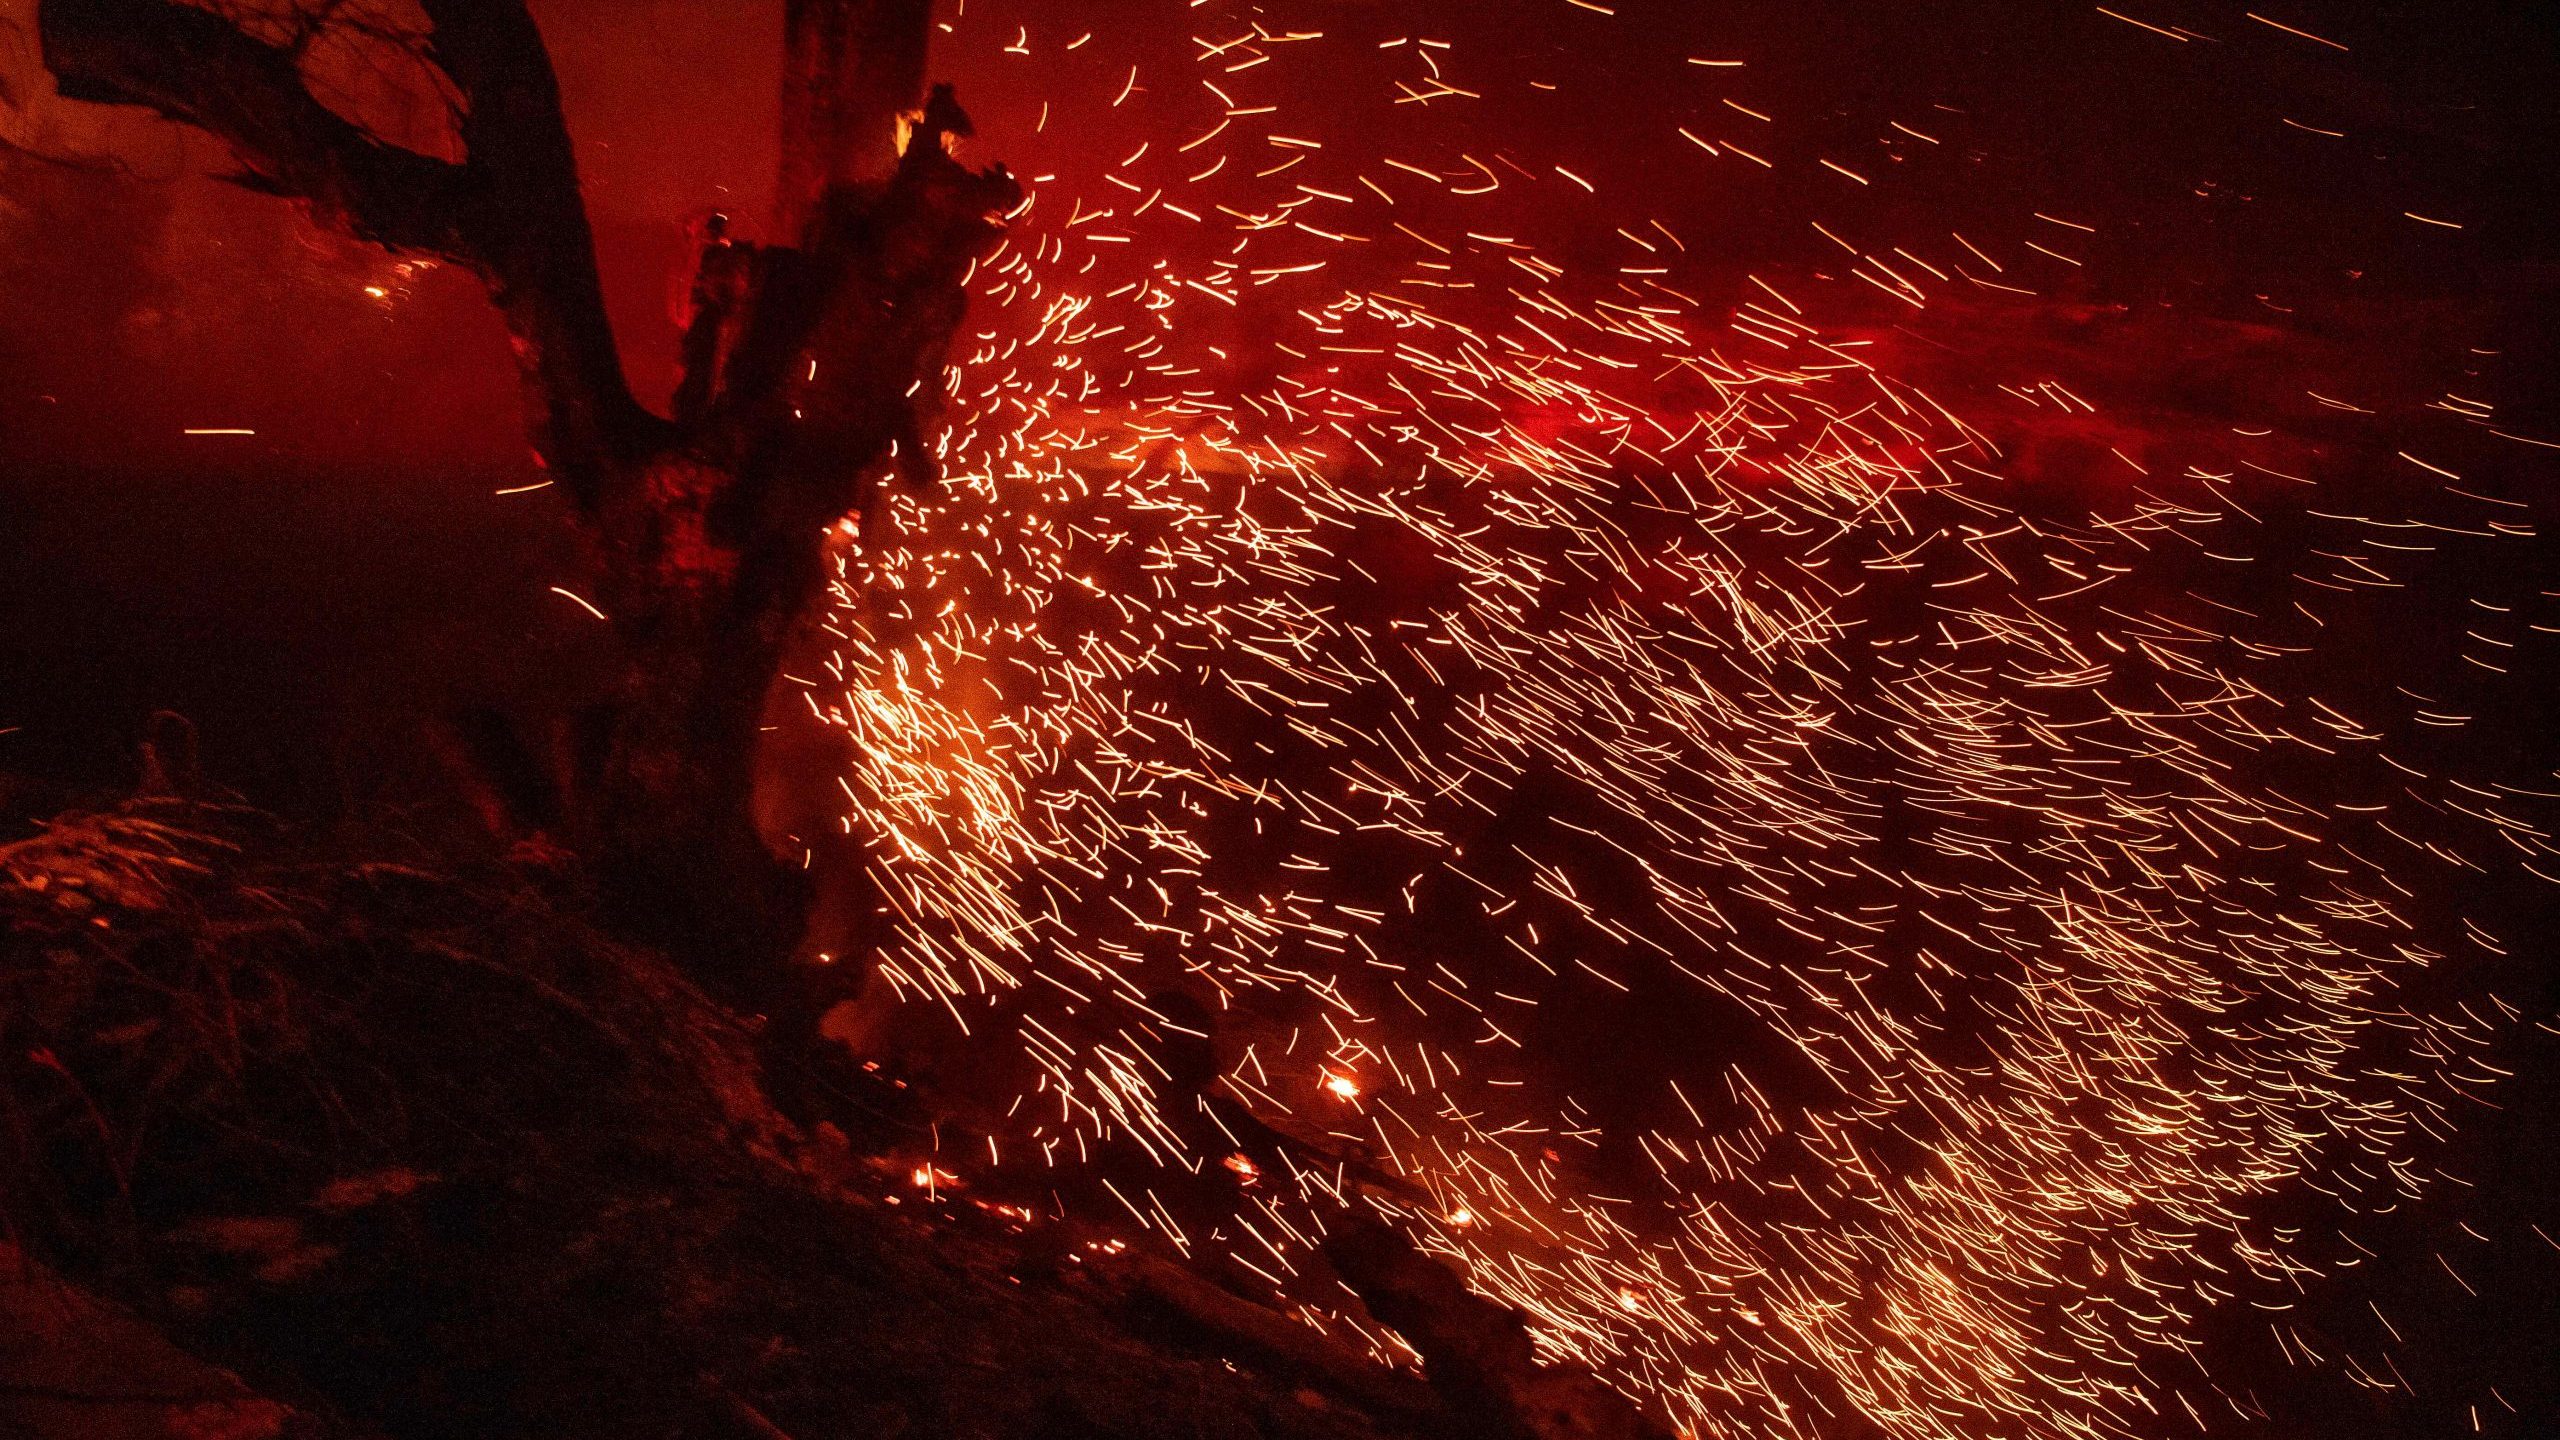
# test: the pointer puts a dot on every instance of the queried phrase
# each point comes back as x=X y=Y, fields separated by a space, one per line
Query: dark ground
x=399 y=1138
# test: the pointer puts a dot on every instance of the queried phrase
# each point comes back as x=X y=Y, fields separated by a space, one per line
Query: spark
x=580 y=601
x=2289 y=30
x=2142 y=24
x=1531 y=663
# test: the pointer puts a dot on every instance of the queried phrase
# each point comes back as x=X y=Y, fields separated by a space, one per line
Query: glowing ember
x=1820 y=922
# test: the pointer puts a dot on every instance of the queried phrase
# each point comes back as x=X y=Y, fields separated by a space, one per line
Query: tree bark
x=709 y=536
x=848 y=73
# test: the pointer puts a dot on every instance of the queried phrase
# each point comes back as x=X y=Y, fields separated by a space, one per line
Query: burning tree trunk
x=708 y=531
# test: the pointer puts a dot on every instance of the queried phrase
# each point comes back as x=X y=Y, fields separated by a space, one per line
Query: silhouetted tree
x=708 y=530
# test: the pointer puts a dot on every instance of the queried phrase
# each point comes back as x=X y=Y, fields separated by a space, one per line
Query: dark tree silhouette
x=707 y=530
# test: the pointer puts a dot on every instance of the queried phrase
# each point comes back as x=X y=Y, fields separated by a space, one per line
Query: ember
x=1548 y=665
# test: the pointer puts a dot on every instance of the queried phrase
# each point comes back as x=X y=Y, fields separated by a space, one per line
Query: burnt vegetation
x=407 y=1140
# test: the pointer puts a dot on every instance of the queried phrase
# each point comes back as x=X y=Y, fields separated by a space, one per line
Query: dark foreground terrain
x=378 y=1123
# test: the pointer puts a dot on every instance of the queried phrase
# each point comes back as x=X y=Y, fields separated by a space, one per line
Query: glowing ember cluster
x=1824 y=925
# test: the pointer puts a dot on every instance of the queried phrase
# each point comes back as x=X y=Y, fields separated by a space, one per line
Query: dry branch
x=1478 y=1353
x=511 y=211
x=194 y=67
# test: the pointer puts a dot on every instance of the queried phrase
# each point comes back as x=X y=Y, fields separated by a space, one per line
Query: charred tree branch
x=1265 y=1335
x=850 y=69
x=511 y=211
x=524 y=222
x=1475 y=1352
